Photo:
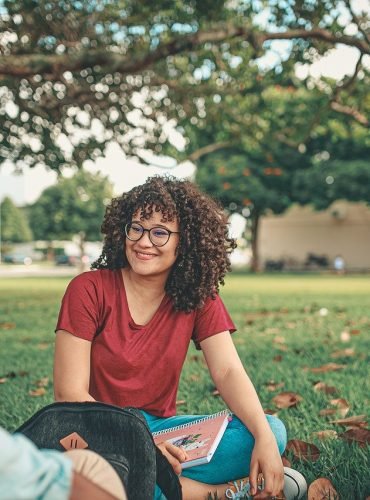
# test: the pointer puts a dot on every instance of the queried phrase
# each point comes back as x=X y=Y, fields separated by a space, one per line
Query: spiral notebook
x=198 y=438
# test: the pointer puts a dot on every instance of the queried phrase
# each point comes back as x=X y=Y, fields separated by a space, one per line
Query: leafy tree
x=85 y=73
x=255 y=155
x=14 y=224
x=246 y=186
x=328 y=181
x=72 y=206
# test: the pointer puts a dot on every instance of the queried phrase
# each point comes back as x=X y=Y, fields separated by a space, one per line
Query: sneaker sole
x=295 y=485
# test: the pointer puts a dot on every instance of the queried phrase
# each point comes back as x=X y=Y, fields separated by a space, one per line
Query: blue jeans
x=233 y=455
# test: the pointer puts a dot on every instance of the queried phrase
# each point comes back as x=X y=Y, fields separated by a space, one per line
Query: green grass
x=263 y=308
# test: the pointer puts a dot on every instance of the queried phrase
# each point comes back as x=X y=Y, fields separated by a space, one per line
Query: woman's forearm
x=238 y=392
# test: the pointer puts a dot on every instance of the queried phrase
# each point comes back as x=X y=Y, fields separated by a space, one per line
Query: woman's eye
x=160 y=233
x=136 y=229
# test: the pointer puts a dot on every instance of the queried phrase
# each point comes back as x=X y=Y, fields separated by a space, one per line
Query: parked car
x=66 y=260
x=17 y=258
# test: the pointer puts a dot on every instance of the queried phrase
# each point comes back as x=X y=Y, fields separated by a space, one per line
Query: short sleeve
x=79 y=312
x=211 y=319
x=27 y=472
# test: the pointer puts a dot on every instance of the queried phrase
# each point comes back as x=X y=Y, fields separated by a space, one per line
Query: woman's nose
x=145 y=240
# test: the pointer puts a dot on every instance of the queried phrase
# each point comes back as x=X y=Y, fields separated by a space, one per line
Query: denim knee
x=279 y=430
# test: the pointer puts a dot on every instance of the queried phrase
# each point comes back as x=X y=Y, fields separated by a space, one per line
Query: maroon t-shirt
x=134 y=365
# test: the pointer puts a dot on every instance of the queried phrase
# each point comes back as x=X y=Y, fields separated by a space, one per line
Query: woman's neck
x=148 y=287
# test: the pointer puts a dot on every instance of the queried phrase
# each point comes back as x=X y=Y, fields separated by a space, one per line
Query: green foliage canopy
x=264 y=156
x=14 y=223
x=85 y=73
x=326 y=182
x=73 y=205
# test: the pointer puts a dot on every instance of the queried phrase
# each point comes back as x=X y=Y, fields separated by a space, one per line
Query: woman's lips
x=144 y=256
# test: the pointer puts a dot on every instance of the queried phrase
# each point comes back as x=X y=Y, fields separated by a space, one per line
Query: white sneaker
x=295 y=487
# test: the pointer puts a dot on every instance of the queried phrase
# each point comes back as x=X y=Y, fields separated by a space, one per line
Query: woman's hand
x=174 y=455
x=266 y=459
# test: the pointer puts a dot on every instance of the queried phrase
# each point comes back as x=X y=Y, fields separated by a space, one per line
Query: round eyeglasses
x=158 y=236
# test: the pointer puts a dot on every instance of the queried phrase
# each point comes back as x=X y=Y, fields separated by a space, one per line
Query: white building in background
x=341 y=230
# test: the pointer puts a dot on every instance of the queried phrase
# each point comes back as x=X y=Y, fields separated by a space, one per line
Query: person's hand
x=266 y=459
x=174 y=455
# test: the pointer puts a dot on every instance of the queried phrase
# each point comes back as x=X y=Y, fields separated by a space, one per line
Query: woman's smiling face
x=146 y=259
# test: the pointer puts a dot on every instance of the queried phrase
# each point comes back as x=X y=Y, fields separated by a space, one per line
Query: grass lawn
x=287 y=325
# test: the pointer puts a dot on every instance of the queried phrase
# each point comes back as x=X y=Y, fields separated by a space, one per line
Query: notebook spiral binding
x=189 y=424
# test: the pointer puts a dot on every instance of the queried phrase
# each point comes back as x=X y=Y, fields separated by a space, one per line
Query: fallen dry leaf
x=273 y=386
x=277 y=358
x=43 y=382
x=43 y=346
x=3 y=380
x=180 y=402
x=239 y=341
x=291 y=325
x=41 y=391
x=269 y=411
x=282 y=347
x=286 y=399
x=343 y=353
x=326 y=434
x=327 y=411
x=303 y=450
x=272 y=330
x=327 y=389
x=7 y=325
x=342 y=405
x=355 y=331
x=215 y=393
x=251 y=317
x=195 y=358
x=279 y=340
x=360 y=436
x=354 y=421
x=322 y=489
x=194 y=377
x=328 y=367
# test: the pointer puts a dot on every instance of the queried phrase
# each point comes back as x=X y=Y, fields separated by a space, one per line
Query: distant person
x=124 y=330
x=339 y=264
x=29 y=473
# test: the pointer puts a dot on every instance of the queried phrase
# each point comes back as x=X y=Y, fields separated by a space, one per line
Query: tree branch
x=345 y=85
x=28 y=65
x=318 y=34
x=348 y=110
x=337 y=106
x=357 y=21
x=210 y=148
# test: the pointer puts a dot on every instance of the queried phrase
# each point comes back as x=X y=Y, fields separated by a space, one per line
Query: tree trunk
x=50 y=252
x=255 y=265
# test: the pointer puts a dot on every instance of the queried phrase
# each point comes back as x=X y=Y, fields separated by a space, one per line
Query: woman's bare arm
x=71 y=368
x=239 y=394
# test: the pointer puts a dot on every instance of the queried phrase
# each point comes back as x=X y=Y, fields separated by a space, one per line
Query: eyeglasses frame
x=148 y=231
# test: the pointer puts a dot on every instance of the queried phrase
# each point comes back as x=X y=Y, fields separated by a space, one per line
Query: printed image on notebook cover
x=199 y=438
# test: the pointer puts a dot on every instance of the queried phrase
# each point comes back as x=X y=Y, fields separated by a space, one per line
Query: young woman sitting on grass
x=124 y=330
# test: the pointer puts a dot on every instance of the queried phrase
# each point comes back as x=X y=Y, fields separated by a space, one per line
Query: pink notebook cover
x=199 y=438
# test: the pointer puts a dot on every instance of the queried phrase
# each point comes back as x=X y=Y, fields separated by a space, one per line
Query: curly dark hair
x=204 y=243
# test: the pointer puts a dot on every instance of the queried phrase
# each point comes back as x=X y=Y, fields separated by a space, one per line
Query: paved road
x=34 y=270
